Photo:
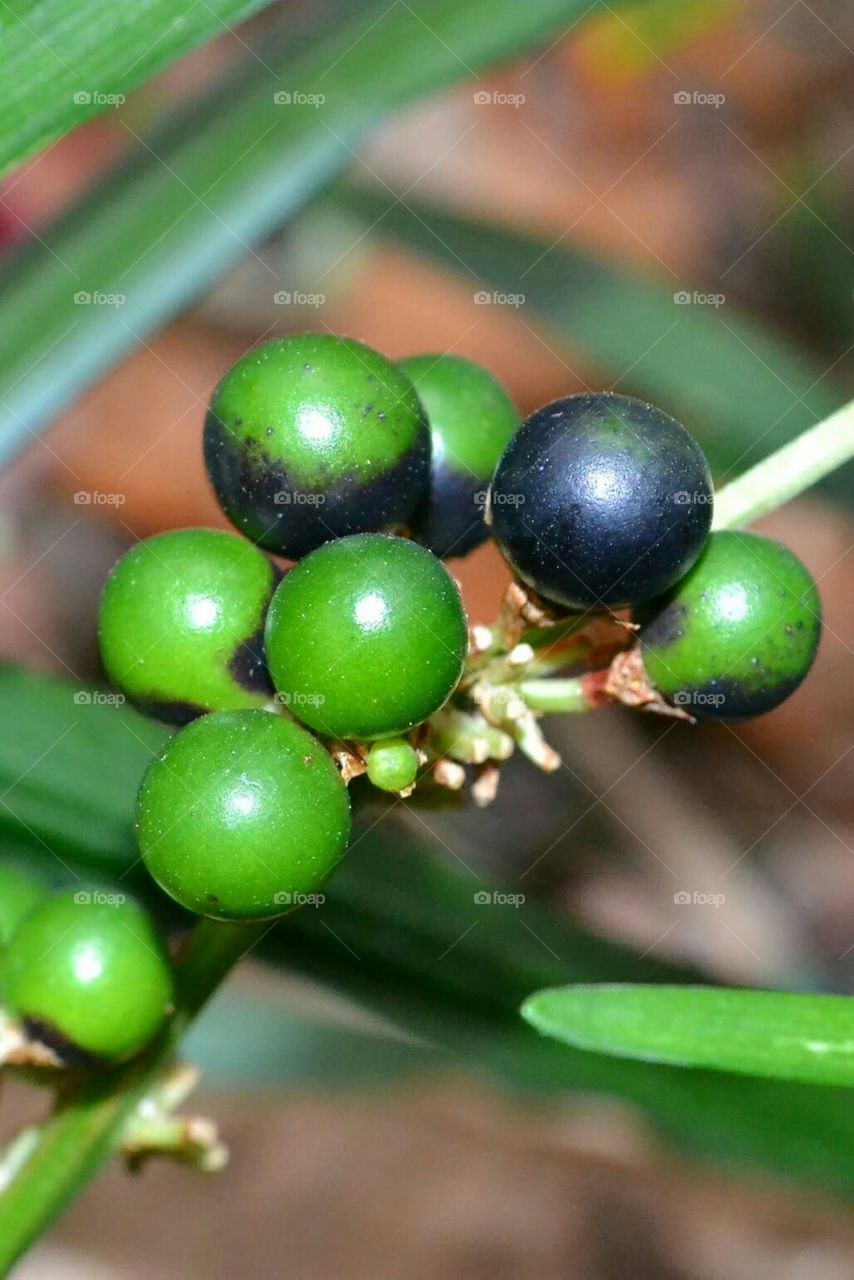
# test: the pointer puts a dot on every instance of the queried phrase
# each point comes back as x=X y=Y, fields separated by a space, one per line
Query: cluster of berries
x=322 y=452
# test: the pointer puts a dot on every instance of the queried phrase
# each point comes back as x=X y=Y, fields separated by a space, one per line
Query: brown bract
x=628 y=683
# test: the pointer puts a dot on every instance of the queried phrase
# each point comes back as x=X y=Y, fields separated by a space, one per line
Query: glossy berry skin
x=366 y=637
x=738 y=635
x=472 y=420
x=87 y=976
x=20 y=891
x=601 y=501
x=181 y=624
x=314 y=437
x=240 y=814
x=392 y=764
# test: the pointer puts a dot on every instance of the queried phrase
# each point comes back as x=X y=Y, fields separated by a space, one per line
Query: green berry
x=472 y=420
x=366 y=637
x=20 y=890
x=242 y=815
x=313 y=437
x=392 y=764
x=87 y=976
x=738 y=634
x=181 y=624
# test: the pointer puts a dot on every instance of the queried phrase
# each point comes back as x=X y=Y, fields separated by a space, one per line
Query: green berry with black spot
x=366 y=637
x=86 y=975
x=738 y=634
x=242 y=815
x=181 y=624
x=392 y=764
x=315 y=437
x=20 y=890
x=472 y=420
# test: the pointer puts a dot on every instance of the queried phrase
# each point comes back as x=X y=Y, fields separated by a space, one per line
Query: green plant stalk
x=86 y=1126
x=565 y=696
x=788 y=471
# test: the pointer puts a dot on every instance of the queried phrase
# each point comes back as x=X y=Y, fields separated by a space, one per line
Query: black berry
x=601 y=501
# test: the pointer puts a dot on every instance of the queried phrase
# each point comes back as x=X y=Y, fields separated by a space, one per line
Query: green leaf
x=70 y=60
x=193 y=199
x=741 y=388
x=759 y=1033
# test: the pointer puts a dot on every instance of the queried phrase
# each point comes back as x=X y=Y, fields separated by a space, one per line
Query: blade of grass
x=72 y=59
x=773 y=1034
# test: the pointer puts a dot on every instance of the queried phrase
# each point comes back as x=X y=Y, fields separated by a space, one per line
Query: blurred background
x=657 y=200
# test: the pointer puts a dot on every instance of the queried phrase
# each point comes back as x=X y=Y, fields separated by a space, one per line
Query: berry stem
x=566 y=696
x=213 y=949
x=788 y=472
x=193 y=1140
x=87 y=1125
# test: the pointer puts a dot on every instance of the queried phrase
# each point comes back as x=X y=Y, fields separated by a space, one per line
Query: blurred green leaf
x=67 y=60
x=403 y=933
x=70 y=765
x=810 y=243
x=742 y=389
x=245 y=1041
x=759 y=1033
x=222 y=176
